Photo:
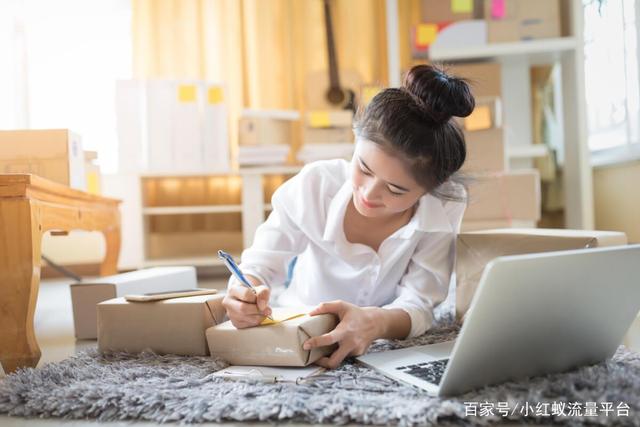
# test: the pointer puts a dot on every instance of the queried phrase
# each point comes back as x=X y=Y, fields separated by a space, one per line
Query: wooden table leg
x=109 y=265
x=20 y=228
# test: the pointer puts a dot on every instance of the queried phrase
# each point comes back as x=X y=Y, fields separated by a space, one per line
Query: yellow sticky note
x=276 y=320
x=479 y=119
x=461 y=6
x=319 y=119
x=214 y=95
x=426 y=34
x=187 y=93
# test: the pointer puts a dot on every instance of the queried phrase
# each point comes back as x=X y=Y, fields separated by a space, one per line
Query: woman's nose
x=370 y=192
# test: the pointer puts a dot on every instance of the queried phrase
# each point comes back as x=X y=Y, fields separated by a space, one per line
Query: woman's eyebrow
x=389 y=183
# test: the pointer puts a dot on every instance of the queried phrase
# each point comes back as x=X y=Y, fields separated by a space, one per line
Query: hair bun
x=437 y=95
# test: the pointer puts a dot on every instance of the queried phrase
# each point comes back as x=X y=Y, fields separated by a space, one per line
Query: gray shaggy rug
x=120 y=386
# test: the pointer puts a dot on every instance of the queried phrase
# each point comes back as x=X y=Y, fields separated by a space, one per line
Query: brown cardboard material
x=54 y=154
x=264 y=131
x=523 y=20
x=329 y=118
x=508 y=195
x=327 y=135
x=271 y=345
x=476 y=249
x=442 y=11
x=485 y=151
x=485 y=78
x=172 y=326
x=85 y=295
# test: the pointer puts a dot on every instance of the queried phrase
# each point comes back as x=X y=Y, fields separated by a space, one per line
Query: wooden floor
x=54 y=329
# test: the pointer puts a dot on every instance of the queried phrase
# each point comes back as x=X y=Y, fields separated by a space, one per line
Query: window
x=611 y=73
x=65 y=57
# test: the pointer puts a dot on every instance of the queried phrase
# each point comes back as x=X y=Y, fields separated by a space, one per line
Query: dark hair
x=415 y=122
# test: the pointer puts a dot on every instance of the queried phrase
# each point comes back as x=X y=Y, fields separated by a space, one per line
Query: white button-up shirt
x=410 y=271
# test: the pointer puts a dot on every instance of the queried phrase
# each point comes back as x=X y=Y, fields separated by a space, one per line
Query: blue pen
x=235 y=270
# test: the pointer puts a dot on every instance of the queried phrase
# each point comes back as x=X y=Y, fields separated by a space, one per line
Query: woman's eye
x=364 y=172
x=395 y=193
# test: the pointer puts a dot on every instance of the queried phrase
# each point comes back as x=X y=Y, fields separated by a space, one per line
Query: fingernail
x=306 y=346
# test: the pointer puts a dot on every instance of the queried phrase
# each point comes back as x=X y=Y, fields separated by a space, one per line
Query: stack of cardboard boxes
x=265 y=136
x=54 y=154
x=465 y=23
x=498 y=197
x=328 y=134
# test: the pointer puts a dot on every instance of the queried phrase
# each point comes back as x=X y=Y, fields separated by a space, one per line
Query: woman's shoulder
x=323 y=177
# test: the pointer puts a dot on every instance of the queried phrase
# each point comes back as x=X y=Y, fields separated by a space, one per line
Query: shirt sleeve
x=426 y=282
x=279 y=239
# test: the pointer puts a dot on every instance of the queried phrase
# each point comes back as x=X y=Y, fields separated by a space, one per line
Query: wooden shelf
x=182 y=210
x=540 y=50
x=527 y=151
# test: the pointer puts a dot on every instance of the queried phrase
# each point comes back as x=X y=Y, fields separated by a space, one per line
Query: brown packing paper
x=476 y=249
x=277 y=344
x=172 y=326
x=523 y=20
x=485 y=78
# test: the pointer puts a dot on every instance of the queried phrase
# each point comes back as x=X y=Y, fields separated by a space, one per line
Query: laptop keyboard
x=428 y=371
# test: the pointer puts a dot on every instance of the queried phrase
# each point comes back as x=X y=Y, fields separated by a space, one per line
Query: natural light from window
x=73 y=51
x=611 y=73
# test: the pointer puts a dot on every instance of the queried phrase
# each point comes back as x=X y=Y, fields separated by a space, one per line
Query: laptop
x=531 y=315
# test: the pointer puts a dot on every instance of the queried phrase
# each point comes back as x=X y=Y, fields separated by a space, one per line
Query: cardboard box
x=328 y=135
x=54 y=154
x=485 y=151
x=485 y=78
x=172 y=326
x=446 y=10
x=487 y=114
x=505 y=195
x=263 y=131
x=277 y=344
x=329 y=118
x=476 y=249
x=85 y=296
x=520 y=20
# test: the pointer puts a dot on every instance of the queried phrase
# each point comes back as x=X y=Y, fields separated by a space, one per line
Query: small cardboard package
x=505 y=195
x=520 y=20
x=171 y=326
x=263 y=131
x=485 y=151
x=485 y=77
x=475 y=250
x=54 y=154
x=85 y=295
x=274 y=344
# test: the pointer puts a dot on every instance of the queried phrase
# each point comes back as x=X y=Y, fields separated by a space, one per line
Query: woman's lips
x=369 y=204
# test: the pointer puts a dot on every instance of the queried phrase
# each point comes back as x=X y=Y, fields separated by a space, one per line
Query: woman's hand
x=357 y=328
x=244 y=308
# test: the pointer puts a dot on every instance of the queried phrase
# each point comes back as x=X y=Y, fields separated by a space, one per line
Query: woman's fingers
x=262 y=297
x=322 y=340
x=333 y=307
x=240 y=307
x=335 y=359
x=242 y=293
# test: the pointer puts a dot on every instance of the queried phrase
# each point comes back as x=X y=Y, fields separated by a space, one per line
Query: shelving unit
x=516 y=60
x=210 y=215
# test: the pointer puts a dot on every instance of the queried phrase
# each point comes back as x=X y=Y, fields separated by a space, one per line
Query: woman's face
x=382 y=185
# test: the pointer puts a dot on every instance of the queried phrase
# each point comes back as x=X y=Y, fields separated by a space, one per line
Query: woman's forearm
x=392 y=323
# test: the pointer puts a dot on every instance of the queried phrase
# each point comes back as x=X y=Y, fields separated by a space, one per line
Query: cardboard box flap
x=475 y=250
x=313 y=327
x=217 y=311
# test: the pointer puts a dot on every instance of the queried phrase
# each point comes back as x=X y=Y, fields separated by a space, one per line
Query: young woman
x=375 y=236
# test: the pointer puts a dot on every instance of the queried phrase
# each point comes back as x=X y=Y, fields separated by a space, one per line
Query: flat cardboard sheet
x=476 y=249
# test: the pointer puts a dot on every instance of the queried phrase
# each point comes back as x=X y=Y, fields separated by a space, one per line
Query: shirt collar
x=429 y=217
